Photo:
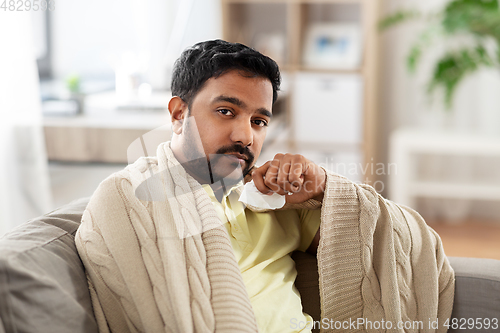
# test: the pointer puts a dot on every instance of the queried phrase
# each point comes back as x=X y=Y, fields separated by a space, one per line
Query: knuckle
x=262 y=168
x=298 y=157
x=273 y=169
x=281 y=179
x=268 y=182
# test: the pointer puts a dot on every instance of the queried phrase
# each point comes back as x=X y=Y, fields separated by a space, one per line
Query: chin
x=232 y=173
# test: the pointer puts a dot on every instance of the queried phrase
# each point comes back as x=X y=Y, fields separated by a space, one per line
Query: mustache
x=240 y=149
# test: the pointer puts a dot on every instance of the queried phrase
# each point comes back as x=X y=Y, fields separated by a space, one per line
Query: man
x=169 y=248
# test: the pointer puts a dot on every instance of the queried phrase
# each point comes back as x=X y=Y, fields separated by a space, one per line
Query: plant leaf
x=423 y=41
x=397 y=18
x=454 y=66
x=479 y=17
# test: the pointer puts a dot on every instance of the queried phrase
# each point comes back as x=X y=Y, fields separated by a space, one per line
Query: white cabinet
x=327 y=109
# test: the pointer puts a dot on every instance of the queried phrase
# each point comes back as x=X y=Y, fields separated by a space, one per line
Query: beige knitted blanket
x=158 y=258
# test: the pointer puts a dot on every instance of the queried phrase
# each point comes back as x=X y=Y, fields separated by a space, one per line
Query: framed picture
x=333 y=46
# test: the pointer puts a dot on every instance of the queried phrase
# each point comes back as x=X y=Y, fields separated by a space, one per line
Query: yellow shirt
x=262 y=244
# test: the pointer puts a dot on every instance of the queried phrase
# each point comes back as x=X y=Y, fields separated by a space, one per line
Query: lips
x=237 y=155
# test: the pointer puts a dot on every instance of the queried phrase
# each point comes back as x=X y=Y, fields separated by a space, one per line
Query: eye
x=226 y=112
x=260 y=122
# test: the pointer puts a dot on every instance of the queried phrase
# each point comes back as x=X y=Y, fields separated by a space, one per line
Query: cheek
x=194 y=134
x=258 y=141
x=212 y=137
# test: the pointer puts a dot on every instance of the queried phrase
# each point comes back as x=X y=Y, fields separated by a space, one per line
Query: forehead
x=253 y=90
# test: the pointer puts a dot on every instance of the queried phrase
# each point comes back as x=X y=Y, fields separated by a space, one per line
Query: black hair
x=213 y=58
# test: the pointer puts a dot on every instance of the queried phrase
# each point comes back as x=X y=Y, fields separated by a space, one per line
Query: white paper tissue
x=253 y=197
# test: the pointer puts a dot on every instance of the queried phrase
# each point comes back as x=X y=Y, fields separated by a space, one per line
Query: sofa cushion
x=43 y=286
x=477 y=295
x=307 y=283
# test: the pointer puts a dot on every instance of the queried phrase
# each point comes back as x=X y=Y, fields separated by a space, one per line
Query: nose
x=242 y=132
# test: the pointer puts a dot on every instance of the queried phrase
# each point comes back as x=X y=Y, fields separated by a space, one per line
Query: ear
x=178 y=110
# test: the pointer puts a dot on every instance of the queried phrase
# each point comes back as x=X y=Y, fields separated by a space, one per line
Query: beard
x=218 y=167
x=219 y=171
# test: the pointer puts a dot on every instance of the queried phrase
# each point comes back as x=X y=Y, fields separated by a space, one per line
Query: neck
x=199 y=169
x=219 y=189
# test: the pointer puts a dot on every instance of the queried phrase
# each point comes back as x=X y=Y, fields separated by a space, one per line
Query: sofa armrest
x=477 y=292
x=43 y=286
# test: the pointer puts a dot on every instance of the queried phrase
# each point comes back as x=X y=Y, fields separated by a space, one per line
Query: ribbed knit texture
x=159 y=260
x=378 y=260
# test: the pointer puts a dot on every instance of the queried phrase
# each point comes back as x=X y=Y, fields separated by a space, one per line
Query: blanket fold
x=158 y=258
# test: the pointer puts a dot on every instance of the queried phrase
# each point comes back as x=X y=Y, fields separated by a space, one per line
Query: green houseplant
x=475 y=21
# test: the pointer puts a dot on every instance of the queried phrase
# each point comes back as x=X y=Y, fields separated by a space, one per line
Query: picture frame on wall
x=333 y=46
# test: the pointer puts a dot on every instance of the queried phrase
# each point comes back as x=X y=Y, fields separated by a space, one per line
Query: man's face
x=226 y=125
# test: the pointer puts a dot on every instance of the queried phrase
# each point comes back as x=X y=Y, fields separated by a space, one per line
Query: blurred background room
x=402 y=95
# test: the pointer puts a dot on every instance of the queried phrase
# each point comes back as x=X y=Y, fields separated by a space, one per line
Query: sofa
x=43 y=286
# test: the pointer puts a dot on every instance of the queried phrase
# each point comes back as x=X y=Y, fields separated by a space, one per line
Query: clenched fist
x=293 y=175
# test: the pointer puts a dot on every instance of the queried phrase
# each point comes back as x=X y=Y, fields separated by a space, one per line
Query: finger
x=249 y=172
x=283 y=173
x=296 y=176
x=317 y=174
x=271 y=176
x=258 y=178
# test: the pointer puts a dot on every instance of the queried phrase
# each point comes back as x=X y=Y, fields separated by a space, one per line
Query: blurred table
x=405 y=144
x=106 y=129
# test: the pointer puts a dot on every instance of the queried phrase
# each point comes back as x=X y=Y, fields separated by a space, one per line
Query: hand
x=291 y=175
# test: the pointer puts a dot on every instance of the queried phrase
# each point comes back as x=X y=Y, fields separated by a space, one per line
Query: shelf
x=102 y=111
x=408 y=144
x=448 y=143
x=347 y=29
x=103 y=132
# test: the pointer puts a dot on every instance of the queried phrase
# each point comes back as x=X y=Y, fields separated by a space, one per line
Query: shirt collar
x=211 y=193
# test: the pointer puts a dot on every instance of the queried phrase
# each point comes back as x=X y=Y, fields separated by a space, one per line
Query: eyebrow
x=238 y=102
